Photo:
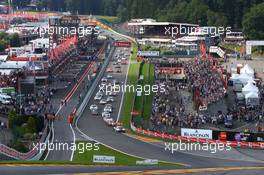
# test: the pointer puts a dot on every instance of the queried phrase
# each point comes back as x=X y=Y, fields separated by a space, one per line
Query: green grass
x=129 y=97
x=128 y=102
x=135 y=51
x=143 y=103
x=234 y=47
x=120 y=158
x=149 y=98
x=86 y=158
x=109 y=19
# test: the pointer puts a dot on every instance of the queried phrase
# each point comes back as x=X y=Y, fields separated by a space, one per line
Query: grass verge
x=143 y=103
x=121 y=159
x=129 y=97
x=234 y=47
x=109 y=19
x=85 y=157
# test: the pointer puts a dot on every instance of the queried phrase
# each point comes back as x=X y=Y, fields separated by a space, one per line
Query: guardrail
x=240 y=144
x=98 y=77
x=32 y=154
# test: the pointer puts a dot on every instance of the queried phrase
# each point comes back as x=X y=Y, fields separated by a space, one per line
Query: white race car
x=119 y=129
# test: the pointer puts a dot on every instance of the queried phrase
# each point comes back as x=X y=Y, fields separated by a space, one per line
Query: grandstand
x=149 y=31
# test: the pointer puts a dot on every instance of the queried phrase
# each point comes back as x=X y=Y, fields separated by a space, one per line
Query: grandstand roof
x=154 y=23
x=156 y=39
x=13 y=64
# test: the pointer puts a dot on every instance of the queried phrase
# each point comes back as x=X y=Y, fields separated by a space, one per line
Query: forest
x=238 y=14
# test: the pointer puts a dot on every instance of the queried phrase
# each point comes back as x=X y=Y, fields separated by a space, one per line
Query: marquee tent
x=250 y=87
x=247 y=70
x=244 y=78
x=252 y=99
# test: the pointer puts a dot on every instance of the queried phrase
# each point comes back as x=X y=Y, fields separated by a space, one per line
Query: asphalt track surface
x=94 y=127
x=63 y=132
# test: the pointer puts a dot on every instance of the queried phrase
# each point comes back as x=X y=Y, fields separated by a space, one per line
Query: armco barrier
x=254 y=145
x=95 y=83
x=32 y=154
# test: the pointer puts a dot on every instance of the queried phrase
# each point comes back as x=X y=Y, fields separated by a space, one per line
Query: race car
x=119 y=129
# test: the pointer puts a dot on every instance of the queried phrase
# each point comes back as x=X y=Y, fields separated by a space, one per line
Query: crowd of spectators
x=203 y=78
x=38 y=104
x=169 y=107
x=8 y=80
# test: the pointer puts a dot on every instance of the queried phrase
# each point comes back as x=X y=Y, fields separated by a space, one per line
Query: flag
x=196 y=60
x=221 y=73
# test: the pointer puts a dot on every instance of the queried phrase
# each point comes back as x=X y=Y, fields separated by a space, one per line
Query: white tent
x=3 y=57
x=250 y=88
x=247 y=70
x=252 y=95
x=244 y=78
x=252 y=99
x=235 y=77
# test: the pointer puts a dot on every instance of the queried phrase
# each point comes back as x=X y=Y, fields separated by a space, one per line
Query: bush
x=19 y=146
x=31 y=125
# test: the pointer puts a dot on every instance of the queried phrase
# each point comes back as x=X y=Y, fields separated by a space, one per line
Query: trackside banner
x=103 y=159
x=197 y=133
x=149 y=53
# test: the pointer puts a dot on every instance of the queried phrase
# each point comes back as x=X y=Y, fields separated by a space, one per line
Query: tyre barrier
x=238 y=144
x=10 y=152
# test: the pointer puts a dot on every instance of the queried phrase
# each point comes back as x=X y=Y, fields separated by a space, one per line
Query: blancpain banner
x=197 y=133
x=103 y=159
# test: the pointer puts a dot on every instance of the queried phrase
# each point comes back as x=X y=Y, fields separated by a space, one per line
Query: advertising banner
x=122 y=44
x=103 y=159
x=149 y=53
x=197 y=133
x=238 y=136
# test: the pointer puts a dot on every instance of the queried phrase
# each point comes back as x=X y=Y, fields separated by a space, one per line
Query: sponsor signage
x=147 y=162
x=238 y=136
x=122 y=44
x=196 y=133
x=171 y=70
x=149 y=53
x=103 y=159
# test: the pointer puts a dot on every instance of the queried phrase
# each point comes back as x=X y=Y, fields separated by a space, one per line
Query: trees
x=31 y=125
x=5 y=40
x=14 y=40
x=253 y=25
x=204 y=12
x=12 y=119
x=216 y=19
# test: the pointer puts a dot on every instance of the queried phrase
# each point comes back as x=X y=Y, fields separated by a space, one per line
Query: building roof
x=13 y=64
x=3 y=57
x=154 y=23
